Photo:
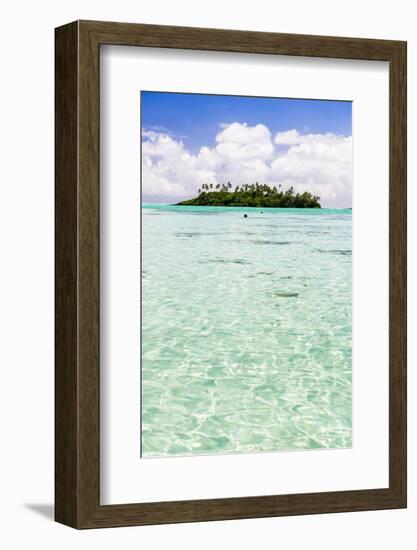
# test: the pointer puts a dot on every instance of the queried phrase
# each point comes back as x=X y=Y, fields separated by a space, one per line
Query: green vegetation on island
x=255 y=195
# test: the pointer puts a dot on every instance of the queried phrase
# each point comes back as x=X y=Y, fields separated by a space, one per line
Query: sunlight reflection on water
x=246 y=330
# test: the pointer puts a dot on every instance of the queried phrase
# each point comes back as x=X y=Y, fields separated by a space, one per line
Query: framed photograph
x=230 y=274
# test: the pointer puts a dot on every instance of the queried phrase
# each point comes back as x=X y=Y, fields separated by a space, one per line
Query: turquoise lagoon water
x=246 y=330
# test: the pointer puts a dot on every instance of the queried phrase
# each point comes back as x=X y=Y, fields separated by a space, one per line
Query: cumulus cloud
x=319 y=163
x=290 y=137
x=242 y=142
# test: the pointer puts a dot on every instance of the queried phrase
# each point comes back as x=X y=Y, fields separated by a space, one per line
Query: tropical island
x=255 y=195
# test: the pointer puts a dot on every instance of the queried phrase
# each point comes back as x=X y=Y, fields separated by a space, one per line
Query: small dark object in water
x=285 y=294
x=245 y=215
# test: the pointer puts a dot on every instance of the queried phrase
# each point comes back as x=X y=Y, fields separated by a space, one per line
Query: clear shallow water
x=246 y=330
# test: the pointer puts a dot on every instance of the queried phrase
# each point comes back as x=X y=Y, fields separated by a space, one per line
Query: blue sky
x=191 y=139
x=195 y=118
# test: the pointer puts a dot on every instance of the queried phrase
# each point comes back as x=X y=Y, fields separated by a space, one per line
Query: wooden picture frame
x=77 y=382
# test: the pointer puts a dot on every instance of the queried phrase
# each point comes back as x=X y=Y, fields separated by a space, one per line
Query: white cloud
x=240 y=141
x=290 y=137
x=320 y=163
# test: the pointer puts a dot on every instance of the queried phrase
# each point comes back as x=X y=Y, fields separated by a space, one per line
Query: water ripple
x=246 y=343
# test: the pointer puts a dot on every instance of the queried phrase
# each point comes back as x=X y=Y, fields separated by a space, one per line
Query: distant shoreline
x=147 y=205
x=255 y=195
x=189 y=203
